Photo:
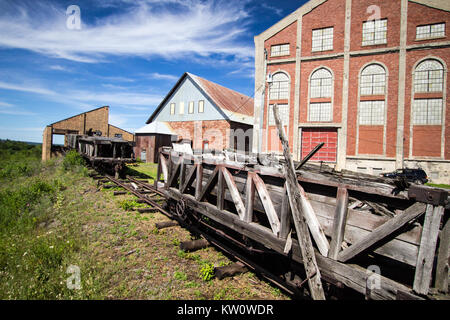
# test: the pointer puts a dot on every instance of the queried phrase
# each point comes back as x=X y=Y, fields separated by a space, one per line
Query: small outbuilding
x=150 y=138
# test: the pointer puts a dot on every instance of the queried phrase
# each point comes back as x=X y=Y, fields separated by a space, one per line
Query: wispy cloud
x=9 y=109
x=159 y=76
x=145 y=29
x=26 y=88
x=58 y=67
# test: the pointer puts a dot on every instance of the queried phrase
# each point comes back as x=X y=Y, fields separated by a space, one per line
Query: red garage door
x=312 y=137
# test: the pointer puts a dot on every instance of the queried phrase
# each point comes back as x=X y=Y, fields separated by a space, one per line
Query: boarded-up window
x=191 y=107
x=311 y=137
x=181 y=107
x=172 y=108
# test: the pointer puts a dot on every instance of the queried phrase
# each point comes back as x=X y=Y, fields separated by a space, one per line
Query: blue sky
x=128 y=54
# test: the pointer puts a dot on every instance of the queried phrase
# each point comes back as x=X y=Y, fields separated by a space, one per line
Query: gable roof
x=234 y=105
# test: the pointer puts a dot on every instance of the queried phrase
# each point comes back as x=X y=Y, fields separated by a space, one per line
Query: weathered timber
x=164 y=168
x=383 y=231
x=118 y=193
x=297 y=208
x=333 y=271
x=285 y=216
x=194 y=245
x=189 y=179
x=340 y=219
x=198 y=181
x=175 y=170
x=425 y=260
x=182 y=171
x=267 y=203
x=442 y=268
x=234 y=192
x=220 y=189
x=310 y=155
x=166 y=224
x=209 y=184
x=230 y=270
x=249 y=198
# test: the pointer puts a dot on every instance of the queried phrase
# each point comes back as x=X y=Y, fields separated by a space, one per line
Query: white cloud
x=26 y=88
x=145 y=29
x=58 y=67
x=159 y=76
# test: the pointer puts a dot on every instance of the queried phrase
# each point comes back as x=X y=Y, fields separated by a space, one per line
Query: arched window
x=321 y=83
x=429 y=76
x=373 y=80
x=279 y=88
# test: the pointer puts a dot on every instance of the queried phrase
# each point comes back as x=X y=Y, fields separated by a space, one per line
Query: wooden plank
x=424 y=268
x=230 y=270
x=182 y=170
x=164 y=168
x=297 y=207
x=442 y=268
x=198 y=180
x=189 y=179
x=267 y=203
x=220 y=189
x=174 y=174
x=340 y=219
x=383 y=231
x=209 y=184
x=249 y=198
x=352 y=276
x=285 y=215
x=234 y=192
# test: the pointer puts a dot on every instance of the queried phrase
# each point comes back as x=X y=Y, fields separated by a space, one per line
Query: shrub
x=72 y=160
x=207 y=271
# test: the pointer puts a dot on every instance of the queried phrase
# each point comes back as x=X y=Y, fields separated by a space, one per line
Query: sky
x=56 y=61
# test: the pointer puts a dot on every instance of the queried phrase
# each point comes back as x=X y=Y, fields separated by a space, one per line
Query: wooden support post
x=174 y=174
x=286 y=215
x=182 y=171
x=443 y=261
x=165 y=224
x=230 y=270
x=164 y=168
x=189 y=179
x=220 y=189
x=382 y=231
x=267 y=203
x=340 y=219
x=306 y=247
x=209 y=184
x=249 y=197
x=198 y=181
x=118 y=193
x=237 y=200
x=194 y=245
x=427 y=249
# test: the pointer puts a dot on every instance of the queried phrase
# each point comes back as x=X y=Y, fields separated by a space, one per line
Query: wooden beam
x=189 y=179
x=333 y=271
x=430 y=232
x=285 y=215
x=164 y=169
x=249 y=197
x=442 y=268
x=220 y=189
x=209 y=184
x=340 y=219
x=182 y=170
x=383 y=231
x=198 y=181
x=230 y=270
x=306 y=247
x=234 y=192
x=174 y=174
x=267 y=203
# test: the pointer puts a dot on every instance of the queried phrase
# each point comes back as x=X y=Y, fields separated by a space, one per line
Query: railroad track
x=248 y=255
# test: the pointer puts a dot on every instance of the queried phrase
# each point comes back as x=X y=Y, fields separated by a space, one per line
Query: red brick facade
x=400 y=51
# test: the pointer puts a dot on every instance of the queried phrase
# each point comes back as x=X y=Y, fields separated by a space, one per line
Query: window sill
x=430 y=38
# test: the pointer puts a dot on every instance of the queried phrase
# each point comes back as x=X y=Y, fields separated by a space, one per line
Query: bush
x=207 y=271
x=72 y=160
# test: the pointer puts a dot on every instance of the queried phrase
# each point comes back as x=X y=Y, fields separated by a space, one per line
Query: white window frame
x=172 y=108
x=373 y=80
x=374 y=32
x=430 y=31
x=283 y=110
x=369 y=115
x=201 y=106
x=430 y=74
x=320 y=112
x=322 y=39
x=425 y=115
x=191 y=107
x=181 y=107
x=279 y=88
x=280 y=50
x=321 y=83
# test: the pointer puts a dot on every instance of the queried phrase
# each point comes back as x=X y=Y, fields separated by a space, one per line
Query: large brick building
x=209 y=115
x=369 y=78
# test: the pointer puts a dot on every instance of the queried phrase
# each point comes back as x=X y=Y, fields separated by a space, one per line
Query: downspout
x=263 y=94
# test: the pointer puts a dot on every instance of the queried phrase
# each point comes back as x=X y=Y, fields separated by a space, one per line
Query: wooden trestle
x=407 y=231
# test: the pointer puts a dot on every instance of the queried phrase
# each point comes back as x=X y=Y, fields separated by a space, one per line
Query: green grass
x=143 y=170
x=444 y=186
